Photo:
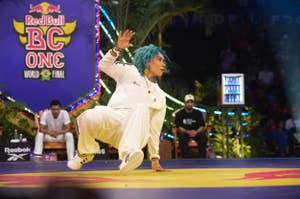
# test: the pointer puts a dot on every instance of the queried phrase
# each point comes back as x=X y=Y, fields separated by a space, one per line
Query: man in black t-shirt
x=190 y=124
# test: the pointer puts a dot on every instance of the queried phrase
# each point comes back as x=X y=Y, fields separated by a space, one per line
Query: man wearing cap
x=190 y=125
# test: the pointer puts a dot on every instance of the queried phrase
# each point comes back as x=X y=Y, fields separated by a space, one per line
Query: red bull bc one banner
x=48 y=50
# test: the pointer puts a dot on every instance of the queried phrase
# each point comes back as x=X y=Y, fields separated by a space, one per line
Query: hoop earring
x=146 y=71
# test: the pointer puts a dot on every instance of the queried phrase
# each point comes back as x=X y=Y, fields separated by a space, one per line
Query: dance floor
x=190 y=178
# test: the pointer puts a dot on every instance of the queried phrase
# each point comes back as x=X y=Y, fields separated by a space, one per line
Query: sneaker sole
x=134 y=161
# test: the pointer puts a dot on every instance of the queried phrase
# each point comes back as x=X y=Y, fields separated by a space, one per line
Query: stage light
x=244 y=124
x=244 y=113
x=168 y=135
x=231 y=113
x=218 y=112
x=115 y=2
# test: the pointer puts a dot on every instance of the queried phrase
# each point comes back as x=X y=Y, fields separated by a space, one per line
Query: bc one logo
x=44 y=34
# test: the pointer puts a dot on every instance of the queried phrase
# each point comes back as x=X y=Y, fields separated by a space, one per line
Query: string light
x=170 y=108
x=105 y=87
x=97 y=89
x=108 y=19
x=199 y=109
x=107 y=33
x=114 y=28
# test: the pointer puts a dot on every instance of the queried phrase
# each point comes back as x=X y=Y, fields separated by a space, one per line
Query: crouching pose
x=135 y=113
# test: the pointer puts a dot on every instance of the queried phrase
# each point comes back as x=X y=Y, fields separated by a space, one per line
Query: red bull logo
x=44 y=8
x=52 y=8
x=270 y=175
x=37 y=8
x=44 y=36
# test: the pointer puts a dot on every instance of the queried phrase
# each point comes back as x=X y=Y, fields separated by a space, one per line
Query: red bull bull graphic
x=37 y=8
x=44 y=8
x=44 y=33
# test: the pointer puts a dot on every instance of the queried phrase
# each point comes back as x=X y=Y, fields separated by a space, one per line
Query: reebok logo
x=17 y=150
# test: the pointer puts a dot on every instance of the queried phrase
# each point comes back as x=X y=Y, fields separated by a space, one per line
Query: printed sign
x=48 y=51
x=233 y=89
x=44 y=34
x=15 y=152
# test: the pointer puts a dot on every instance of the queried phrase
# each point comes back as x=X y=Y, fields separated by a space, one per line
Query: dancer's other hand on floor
x=156 y=165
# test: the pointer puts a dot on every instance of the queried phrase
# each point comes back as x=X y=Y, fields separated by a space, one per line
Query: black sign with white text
x=13 y=152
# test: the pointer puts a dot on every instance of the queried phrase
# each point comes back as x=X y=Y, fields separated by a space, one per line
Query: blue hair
x=145 y=54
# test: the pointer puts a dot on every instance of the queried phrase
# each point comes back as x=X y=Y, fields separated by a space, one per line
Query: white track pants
x=124 y=129
x=40 y=138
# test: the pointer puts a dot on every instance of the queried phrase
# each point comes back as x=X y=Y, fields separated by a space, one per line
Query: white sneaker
x=131 y=161
x=79 y=159
x=38 y=158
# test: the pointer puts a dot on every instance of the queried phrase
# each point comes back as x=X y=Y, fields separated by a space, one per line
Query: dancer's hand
x=156 y=165
x=124 y=39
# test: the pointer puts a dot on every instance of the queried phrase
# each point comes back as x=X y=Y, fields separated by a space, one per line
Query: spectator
x=54 y=126
x=281 y=139
x=190 y=126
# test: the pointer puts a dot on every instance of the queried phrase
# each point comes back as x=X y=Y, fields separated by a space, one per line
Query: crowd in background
x=264 y=52
x=250 y=50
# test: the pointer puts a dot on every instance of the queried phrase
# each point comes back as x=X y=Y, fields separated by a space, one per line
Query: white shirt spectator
x=52 y=123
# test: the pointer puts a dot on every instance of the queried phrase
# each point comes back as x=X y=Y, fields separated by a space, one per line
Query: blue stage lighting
x=217 y=112
x=231 y=113
x=244 y=113
x=244 y=123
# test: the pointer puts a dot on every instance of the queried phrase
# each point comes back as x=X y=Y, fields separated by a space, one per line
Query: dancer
x=135 y=113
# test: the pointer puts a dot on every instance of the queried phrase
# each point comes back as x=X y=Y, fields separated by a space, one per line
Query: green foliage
x=11 y=119
x=206 y=94
x=149 y=16
x=235 y=136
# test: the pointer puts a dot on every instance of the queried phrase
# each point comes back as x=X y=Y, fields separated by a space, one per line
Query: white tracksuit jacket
x=133 y=117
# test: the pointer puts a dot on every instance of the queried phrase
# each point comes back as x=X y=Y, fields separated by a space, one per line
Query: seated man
x=190 y=125
x=54 y=127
